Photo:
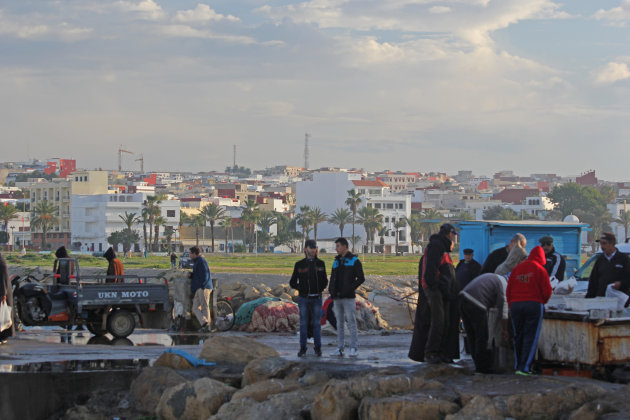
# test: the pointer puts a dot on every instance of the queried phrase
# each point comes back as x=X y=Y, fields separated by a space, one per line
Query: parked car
x=185 y=261
x=584 y=273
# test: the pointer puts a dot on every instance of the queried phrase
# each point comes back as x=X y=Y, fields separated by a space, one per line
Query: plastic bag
x=6 y=316
x=621 y=297
x=565 y=287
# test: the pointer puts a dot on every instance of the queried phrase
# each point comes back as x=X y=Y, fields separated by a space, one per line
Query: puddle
x=77 y=366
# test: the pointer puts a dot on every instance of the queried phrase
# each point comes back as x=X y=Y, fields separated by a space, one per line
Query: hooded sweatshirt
x=529 y=281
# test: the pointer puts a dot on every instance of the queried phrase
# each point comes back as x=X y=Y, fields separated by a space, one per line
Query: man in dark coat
x=555 y=265
x=467 y=269
x=612 y=266
x=497 y=256
x=310 y=280
x=6 y=295
x=435 y=337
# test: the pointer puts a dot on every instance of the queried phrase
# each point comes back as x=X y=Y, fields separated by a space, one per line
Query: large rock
x=480 y=407
x=549 y=405
x=219 y=348
x=251 y=293
x=195 y=400
x=293 y=405
x=340 y=399
x=172 y=360
x=403 y=407
x=260 y=391
x=180 y=295
x=148 y=387
x=266 y=368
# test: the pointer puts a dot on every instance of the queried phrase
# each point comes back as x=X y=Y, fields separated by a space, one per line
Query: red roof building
x=515 y=195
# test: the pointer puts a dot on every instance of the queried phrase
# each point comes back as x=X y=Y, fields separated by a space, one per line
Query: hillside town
x=53 y=203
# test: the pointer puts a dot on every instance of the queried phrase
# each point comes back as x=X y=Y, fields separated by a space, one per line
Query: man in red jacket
x=527 y=291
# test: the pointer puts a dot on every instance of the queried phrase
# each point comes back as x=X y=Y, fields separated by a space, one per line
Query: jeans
x=310 y=312
x=527 y=320
x=345 y=311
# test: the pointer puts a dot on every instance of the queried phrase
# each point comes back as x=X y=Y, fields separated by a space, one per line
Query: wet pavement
x=45 y=347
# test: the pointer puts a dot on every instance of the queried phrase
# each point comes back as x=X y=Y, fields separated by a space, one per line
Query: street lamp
x=12 y=239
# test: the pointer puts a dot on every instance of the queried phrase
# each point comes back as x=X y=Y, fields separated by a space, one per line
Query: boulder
x=280 y=289
x=480 y=407
x=285 y=296
x=260 y=391
x=286 y=406
x=340 y=399
x=251 y=293
x=266 y=368
x=218 y=348
x=148 y=387
x=195 y=400
x=172 y=360
x=419 y=406
x=550 y=405
x=82 y=412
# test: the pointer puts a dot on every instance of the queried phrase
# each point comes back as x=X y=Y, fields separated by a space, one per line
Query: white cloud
x=616 y=16
x=185 y=31
x=202 y=14
x=613 y=72
x=32 y=27
x=439 y=9
x=146 y=9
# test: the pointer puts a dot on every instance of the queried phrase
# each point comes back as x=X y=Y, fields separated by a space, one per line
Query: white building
x=20 y=230
x=95 y=217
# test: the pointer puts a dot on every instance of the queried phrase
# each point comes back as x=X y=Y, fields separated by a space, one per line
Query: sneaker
x=353 y=352
x=520 y=372
x=318 y=352
x=302 y=352
x=5 y=341
x=337 y=353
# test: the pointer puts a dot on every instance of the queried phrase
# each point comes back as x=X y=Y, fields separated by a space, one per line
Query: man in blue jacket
x=346 y=276
x=201 y=288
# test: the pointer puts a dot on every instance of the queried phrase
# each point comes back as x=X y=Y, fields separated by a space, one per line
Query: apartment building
x=57 y=193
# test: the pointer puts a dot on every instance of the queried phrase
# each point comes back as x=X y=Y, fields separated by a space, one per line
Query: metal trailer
x=484 y=236
x=573 y=339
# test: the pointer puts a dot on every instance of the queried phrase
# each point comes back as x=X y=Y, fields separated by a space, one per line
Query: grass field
x=373 y=264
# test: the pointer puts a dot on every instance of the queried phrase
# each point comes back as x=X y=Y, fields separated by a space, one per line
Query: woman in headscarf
x=6 y=295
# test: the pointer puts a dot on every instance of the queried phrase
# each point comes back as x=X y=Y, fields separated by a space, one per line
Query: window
x=387 y=220
x=377 y=205
x=170 y=213
x=390 y=205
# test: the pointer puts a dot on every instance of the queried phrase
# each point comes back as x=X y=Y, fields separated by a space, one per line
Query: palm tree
x=303 y=220
x=197 y=221
x=249 y=217
x=212 y=213
x=265 y=221
x=624 y=220
x=129 y=219
x=145 y=219
x=428 y=221
x=340 y=217
x=317 y=216
x=228 y=225
x=44 y=218
x=152 y=206
x=7 y=212
x=415 y=229
x=353 y=202
x=371 y=220
x=158 y=221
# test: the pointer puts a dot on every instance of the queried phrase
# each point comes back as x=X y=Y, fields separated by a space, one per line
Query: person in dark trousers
x=485 y=292
x=6 y=295
x=555 y=265
x=499 y=255
x=434 y=335
x=467 y=269
x=527 y=291
x=310 y=280
x=115 y=269
x=173 y=260
x=201 y=288
x=346 y=276
x=612 y=266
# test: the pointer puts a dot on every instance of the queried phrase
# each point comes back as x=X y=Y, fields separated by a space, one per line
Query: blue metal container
x=484 y=236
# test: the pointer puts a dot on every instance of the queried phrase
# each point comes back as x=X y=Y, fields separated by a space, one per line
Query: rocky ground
x=252 y=381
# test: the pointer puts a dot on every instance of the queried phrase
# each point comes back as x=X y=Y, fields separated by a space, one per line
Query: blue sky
x=530 y=85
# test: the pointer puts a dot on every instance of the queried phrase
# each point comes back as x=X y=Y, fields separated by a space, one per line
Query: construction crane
x=141 y=160
x=120 y=152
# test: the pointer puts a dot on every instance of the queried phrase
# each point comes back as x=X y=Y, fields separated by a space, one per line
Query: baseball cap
x=447 y=228
x=607 y=237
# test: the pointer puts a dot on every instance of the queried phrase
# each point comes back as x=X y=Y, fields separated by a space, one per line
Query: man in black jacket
x=433 y=334
x=555 y=265
x=309 y=278
x=346 y=276
x=467 y=269
x=497 y=256
x=612 y=266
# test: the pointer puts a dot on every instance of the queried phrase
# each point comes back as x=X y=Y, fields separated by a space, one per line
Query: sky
x=536 y=86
